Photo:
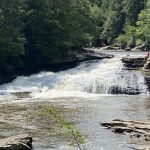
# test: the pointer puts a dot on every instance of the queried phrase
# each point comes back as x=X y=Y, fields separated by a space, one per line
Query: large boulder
x=19 y=142
x=133 y=62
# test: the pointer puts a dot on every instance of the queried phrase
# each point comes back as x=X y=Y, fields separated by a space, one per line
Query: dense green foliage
x=119 y=21
x=42 y=32
x=54 y=27
x=11 y=36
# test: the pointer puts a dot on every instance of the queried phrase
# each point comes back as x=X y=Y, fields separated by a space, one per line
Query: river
x=93 y=92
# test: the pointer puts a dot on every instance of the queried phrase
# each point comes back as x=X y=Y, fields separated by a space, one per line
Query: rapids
x=107 y=76
x=93 y=92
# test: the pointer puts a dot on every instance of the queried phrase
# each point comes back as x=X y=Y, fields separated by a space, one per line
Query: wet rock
x=19 y=142
x=139 y=146
x=133 y=62
x=21 y=94
x=119 y=90
x=147 y=80
x=147 y=137
x=147 y=64
x=135 y=128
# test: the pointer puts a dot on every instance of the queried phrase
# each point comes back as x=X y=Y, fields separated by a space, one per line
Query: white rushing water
x=107 y=76
x=84 y=95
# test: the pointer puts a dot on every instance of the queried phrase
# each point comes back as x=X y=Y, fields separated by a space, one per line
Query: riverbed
x=85 y=96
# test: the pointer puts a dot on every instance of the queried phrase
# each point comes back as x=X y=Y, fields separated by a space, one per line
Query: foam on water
x=107 y=76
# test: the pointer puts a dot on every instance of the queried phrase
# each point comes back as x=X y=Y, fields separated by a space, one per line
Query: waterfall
x=107 y=76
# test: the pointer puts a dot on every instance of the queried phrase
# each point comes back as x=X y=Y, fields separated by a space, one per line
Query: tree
x=113 y=26
x=132 y=10
x=11 y=36
x=54 y=27
x=143 y=26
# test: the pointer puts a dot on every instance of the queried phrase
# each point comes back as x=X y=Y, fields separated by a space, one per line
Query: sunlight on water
x=86 y=95
x=104 y=77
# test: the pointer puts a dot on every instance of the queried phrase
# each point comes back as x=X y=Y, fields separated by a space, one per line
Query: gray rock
x=147 y=64
x=19 y=142
x=21 y=94
x=147 y=81
x=133 y=62
x=136 y=129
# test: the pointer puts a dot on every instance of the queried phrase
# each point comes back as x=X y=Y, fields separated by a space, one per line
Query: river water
x=91 y=93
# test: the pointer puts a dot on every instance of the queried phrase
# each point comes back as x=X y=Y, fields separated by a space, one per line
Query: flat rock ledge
x=133 y=62
x=137 y=130
x=19 y=142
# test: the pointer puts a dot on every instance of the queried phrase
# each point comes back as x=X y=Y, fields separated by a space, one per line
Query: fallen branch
x=76 y=140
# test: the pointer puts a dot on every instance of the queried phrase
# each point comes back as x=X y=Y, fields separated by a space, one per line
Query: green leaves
x=113 y=26
x=54 y=27
x=143 y=25
x=127 y=23
x=11 y=37
x=76 y=135
x=42 y=32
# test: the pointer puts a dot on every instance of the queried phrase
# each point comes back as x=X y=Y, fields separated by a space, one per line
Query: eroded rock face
x=19 y=142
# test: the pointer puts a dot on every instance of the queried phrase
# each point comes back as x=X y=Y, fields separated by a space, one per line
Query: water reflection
x=86 y=114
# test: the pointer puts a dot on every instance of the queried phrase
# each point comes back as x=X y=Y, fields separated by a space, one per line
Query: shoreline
x=70 y=62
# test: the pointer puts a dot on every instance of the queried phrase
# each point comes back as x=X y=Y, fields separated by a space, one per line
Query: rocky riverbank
x=133 y=62
x=135 y=49
x=19 y=142
x=140 y=64
x=135 y=129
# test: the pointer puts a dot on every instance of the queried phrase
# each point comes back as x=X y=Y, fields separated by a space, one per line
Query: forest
x=41 y=32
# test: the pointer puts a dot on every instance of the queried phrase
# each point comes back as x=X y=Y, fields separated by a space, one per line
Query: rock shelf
x=134 y=128
x=139 y=131
x=19 y=142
